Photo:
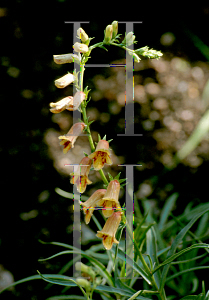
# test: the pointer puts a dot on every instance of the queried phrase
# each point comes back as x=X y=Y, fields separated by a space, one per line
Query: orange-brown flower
x=110 y=199
x=101 y=156
x=91 y=203
x=109 y=230
x=80 y=176
x=69 y=139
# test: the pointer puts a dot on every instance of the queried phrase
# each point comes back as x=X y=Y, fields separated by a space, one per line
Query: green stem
x=83 y=108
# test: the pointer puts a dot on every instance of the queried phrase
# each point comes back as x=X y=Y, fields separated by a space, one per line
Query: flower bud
x=66 y=58
x=136 y=57
x=108 y=34
x=84 y=283
x=115 y=29
x=64 y=81
x=78 y=47
x=130 y=37
x=82 y=35
x=79 y=266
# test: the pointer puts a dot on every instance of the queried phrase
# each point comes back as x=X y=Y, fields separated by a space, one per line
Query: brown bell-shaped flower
x=69 y=139
x=109 y=230
x=91 y=203
x=101 y=156
x=80 y=176
x=110 y=200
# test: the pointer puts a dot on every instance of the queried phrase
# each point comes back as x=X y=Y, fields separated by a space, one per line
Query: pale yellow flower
x=64 y=81
x=78 y=47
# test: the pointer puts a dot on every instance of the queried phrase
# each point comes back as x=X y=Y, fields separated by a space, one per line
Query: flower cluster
x=104 y=199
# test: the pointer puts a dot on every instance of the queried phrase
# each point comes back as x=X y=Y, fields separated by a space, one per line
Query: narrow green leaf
x=66 y=297
x=35 y=277
x=152 y=251
x=174 y=256
x=195 y=138
x=168 y=207
x=176 y=242
x=61 y=283
x=191 y=297
x=124 y=257
x=94 y=261
x=186 y=271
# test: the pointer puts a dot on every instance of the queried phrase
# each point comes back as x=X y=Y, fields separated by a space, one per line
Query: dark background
x=31 y=32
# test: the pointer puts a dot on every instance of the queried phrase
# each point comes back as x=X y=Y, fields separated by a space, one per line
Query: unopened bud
x=115 y=29
x=78 y=47
x=65 y=58
x=64 y=81
x=108 y=34
x=136 y=57
x=82 y=35
x=79 y=266
x=130 y=37
x=84 y=283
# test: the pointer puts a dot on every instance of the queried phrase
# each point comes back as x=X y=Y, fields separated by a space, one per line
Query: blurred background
x=171 y=96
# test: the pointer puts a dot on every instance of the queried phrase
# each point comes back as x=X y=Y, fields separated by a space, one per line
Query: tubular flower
x=65 y=58
x=101 y=156
x=64 y=81
x=91 y=203
x=70 y=103
x=69 y=139
x=80 y=176
x=109 y=230
x=78 y=47
x=61 y=105
x=110 y=199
